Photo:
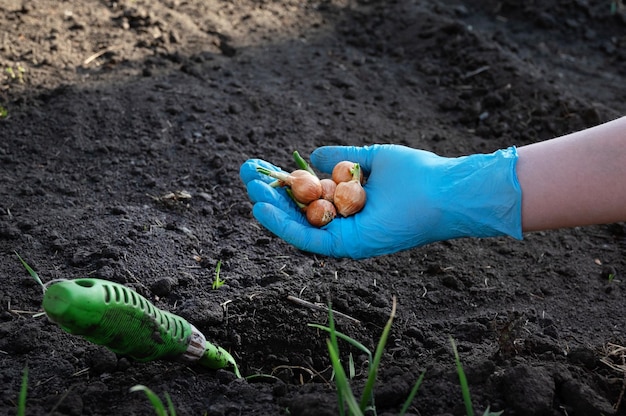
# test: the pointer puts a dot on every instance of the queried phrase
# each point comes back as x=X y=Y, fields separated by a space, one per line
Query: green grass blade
x=467 y=399
x=156 y=402
x=170 y=405
x=344 y=392
x=488 y=412
x=333 y=351
x=346 y=338
x=30 y=271
x=368 y=396
x=21 y=403
x=217 y=281
x=351 y=369
x=412 y=394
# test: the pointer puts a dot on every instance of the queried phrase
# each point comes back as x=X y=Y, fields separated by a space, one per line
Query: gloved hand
x=414 y=197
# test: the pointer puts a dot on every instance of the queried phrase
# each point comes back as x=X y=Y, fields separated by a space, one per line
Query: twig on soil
x=81 y=372
x=616 y=352
x=224 y=306
x=320 y=307
x=24 y=312
x=98 y=54
x=63 y=397
x=476 y=72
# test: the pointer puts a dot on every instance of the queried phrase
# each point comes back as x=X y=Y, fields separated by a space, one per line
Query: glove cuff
x=485 y=198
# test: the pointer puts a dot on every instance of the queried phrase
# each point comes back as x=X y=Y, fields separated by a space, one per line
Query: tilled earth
x=122 y=128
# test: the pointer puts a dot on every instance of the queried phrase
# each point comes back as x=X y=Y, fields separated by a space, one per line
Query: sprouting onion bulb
x=320 y=212
x=350 y=196
x=342 y=172
x=305 y=187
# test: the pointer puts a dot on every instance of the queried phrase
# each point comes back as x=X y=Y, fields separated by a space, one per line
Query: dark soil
x=113 y=105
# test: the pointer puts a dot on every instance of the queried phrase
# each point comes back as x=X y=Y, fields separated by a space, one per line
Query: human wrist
x=481 y=196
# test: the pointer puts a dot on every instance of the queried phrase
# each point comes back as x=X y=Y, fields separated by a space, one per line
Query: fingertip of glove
x=279 y=223
x=260 y=191
x=272 y=218
x=262 y=211
x=303 y=237
x=248 y=170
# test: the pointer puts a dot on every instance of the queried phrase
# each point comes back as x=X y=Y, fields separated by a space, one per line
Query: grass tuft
x=347 y=402
x=368 y=392
x=156 y=402
x=467 y=398
x=218 y=282
x=21 y=402
x=465 y=392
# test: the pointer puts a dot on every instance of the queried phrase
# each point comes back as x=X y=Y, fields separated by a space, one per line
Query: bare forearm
x=574 y=180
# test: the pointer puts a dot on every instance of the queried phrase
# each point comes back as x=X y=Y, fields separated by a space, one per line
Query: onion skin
x=350 y=196
x=320 y=212
x=304 y=186
x=342 y=172
x=298 y=172
x=328 y=189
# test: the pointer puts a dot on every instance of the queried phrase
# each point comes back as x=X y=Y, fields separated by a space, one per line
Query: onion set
x=342 y=172
x=350 y=196
x=320 y=212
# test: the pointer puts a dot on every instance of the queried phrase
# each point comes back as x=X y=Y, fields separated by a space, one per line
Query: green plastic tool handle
x=110 y=314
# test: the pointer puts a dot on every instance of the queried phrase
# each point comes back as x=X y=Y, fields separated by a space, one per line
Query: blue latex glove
x=414 y=198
